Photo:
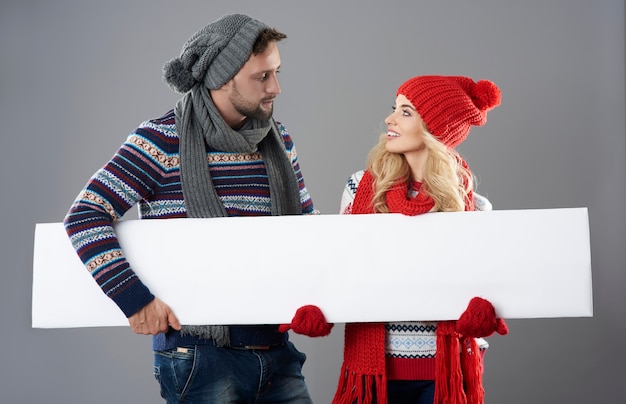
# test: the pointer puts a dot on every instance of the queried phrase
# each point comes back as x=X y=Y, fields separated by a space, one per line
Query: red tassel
x=448 y=372
x=363 y=366
x=346 y=390
x=471 y=364
x=381 y=389
x=457 y=393
x=359 y=389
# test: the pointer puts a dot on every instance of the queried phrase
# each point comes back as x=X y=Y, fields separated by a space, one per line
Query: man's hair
x=266 y=36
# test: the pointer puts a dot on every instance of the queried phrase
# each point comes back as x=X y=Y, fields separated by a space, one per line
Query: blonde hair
x=446 y=180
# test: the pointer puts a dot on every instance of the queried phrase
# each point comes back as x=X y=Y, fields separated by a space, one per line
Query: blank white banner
x=356 y=268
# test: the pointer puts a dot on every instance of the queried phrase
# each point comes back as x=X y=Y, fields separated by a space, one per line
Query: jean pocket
x=156 y=372
x=173 y=369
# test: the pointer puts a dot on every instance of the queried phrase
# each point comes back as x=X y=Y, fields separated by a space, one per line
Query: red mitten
x=310 y=321
x=479 y=320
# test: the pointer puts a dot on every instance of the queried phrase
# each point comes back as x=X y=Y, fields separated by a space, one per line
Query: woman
x=414 y=169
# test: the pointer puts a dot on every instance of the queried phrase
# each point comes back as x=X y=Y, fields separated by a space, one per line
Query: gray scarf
x=199 y=124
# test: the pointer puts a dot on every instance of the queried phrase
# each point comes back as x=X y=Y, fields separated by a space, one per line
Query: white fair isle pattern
x=415 y=340
x=349 y=192
x=411 y=339
x=161 y=208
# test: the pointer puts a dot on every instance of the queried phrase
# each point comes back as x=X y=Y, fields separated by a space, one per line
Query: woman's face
x=405 y=129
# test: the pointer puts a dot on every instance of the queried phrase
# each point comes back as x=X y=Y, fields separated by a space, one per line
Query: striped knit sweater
x=409 y=346
x=145 y=170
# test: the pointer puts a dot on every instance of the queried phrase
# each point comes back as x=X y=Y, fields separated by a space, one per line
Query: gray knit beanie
x=214 y=54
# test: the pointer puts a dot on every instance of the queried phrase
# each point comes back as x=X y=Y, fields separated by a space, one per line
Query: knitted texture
x=214 y=54
x=310 y=321
x=200 y=124
x=410 y=349
x=459 y=379
x=150 y=153
x=479 y=320
x=450 y=105
x=364 y=350
x=451 y=384
x=363 y=368
x=458 y=372
x=397 y=199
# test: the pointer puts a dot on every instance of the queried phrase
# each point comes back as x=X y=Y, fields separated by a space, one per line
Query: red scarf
x=363 y=367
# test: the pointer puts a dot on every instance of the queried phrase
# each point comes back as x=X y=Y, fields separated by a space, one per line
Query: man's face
x=255 y=86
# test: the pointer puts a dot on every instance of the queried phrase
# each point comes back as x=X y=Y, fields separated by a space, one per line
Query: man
x=218 y=153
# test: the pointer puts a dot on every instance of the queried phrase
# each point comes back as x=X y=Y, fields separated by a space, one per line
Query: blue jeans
x=210 y=374
x=411 y=391
x=407 y=392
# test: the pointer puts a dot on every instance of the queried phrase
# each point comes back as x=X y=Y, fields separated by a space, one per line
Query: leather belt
x=256 y=337
x=256 y=347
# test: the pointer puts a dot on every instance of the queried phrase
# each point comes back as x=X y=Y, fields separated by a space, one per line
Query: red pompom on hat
x=450 y=105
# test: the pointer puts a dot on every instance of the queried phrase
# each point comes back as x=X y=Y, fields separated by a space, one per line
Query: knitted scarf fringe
x=448 y=373
x=363 y=375
x=220 y=334
x=458 y=367
x=355 y=388
x=472 y=368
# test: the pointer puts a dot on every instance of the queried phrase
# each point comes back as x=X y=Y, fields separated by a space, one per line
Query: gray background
x=77 y=76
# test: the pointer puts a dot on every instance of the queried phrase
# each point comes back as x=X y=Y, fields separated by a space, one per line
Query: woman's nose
x=389 y=120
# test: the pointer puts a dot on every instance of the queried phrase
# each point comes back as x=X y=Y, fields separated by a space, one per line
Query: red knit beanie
x=450 y=105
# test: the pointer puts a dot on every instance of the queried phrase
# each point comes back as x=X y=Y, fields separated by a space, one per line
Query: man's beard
x=249 y=109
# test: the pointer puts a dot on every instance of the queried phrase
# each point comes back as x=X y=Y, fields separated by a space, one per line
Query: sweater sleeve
x=305 y=197
x=127 y=178
x=349 y=192
x=481 y=202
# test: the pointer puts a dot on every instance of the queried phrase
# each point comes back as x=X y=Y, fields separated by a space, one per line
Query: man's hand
x=154 y=318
